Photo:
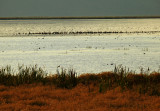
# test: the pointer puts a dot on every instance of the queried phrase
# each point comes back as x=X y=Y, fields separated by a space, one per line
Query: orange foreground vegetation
x=81 y=98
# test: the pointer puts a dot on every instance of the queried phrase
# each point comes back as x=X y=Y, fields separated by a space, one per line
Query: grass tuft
x=38 y=103
x=66 y=79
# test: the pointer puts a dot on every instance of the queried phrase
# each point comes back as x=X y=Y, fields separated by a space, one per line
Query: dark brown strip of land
x=84 y=17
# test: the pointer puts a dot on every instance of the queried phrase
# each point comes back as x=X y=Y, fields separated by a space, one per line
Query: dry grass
x=30 y=89
x=36 y=97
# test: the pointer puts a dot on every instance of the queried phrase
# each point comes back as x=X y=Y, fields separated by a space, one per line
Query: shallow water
x=23 y=27
x=84 y=53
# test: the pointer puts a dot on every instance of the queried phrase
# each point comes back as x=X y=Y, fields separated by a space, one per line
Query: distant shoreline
x=98 y=17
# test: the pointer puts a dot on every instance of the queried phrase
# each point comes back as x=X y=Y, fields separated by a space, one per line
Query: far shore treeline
x=81 y=17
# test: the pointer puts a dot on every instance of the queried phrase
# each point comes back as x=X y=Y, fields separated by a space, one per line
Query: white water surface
x=84 y=53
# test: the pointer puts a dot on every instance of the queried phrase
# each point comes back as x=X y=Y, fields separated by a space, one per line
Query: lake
x=87 y=45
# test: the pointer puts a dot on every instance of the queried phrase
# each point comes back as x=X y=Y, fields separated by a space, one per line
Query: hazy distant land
x=81 y=17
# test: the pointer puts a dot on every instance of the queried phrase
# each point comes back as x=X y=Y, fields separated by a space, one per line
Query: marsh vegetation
x=145 y=82
x=120 y=89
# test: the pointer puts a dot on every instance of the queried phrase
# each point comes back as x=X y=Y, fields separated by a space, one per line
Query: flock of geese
x=85 y=32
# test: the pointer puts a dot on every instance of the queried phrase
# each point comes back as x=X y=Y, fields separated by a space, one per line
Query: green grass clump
x=25 y=75
x=66 y=79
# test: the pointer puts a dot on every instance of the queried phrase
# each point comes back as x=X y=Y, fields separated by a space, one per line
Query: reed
x=126 y=79
x=66 y=79
x=25 y=75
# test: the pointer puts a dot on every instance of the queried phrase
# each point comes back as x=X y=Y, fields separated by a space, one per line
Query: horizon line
x=78 y=17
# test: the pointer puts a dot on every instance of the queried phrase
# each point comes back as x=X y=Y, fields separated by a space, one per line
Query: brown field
x=31 y=90
x=35 y=97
